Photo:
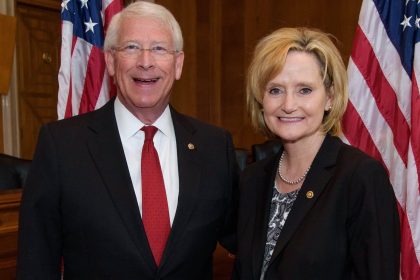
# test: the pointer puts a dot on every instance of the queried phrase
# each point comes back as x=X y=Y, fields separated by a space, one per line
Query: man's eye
x=131 y=48
x=159 y=50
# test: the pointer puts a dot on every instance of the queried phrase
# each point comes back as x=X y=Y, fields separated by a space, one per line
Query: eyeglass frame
x=154 y=50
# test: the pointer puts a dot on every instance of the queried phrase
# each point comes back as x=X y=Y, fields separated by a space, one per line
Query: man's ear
x=110 y=62
x=179 y=62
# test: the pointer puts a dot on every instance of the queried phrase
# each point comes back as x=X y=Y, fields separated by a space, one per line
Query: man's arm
x=39 y=246
x=228 y=235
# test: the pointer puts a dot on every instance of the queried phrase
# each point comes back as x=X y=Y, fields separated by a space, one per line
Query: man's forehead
x=149 y=20
x=146 y=27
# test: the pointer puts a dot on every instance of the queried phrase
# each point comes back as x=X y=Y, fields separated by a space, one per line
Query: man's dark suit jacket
x=348 y=229
x=79 y=204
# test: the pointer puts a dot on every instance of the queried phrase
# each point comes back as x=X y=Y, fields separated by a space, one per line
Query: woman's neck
x=295 y=163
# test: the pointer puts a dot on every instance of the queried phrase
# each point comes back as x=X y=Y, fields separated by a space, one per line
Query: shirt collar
x=129 y=125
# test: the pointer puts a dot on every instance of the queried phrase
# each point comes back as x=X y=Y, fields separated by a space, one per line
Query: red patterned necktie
x=155 y=213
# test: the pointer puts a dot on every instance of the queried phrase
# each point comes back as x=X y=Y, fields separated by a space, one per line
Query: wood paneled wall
x=219 y=40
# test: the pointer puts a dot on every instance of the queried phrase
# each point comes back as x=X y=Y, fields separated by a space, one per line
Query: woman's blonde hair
x=269 y=58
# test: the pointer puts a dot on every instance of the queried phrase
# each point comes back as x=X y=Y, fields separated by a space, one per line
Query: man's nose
x=145 y=59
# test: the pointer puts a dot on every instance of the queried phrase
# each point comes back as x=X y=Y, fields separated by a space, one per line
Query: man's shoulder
x=99 y=115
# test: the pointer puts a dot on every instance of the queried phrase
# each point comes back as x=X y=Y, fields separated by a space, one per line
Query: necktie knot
x=149 y=132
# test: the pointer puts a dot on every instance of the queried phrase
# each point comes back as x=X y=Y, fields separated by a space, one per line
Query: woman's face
x=295 y=100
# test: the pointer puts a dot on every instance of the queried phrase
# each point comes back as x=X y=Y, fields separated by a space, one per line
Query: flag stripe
x=69 y=109
x=109 y=89
x=93 y=80
x=106 y=92
x=383 y=93
x=415 y=103
x=111 y=8
x=356 y=132
x=64 y=78
x=80 y=58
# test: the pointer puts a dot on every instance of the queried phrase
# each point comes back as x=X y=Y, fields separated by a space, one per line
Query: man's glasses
x=132 y=50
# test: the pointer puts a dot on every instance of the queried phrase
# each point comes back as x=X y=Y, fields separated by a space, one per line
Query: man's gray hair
x=143 y=9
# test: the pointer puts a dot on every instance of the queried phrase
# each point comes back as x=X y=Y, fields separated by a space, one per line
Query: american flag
x=383 y=115
x=84 y=84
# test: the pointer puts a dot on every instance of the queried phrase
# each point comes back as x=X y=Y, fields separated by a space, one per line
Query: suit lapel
x=189 y=179
x=106 y=149
x=262 y=211
x=315 y=182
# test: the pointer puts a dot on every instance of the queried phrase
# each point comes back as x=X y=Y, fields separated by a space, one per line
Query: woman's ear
x=330 y=97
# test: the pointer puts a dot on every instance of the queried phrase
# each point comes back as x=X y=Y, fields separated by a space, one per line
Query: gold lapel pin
x=309 y=194
x=191 y=146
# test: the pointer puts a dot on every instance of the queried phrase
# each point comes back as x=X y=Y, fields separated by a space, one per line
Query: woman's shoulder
x=362 y=169
x=350 y=155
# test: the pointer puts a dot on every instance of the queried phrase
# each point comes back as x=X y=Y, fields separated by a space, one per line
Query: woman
x=319 y=209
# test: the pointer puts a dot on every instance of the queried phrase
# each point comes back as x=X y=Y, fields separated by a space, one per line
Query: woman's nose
x=289 y=103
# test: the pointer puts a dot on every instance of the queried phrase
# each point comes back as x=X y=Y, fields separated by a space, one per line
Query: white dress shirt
x=132 y=139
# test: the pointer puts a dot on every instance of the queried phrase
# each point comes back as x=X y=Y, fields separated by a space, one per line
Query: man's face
x=144 y=78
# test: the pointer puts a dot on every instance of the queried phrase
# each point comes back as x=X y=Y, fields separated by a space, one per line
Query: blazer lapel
x=262 y=212
x=106 y=149
x=315 y=182
x=189 y=177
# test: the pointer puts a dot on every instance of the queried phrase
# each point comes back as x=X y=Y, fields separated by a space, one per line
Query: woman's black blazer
x=344 y=223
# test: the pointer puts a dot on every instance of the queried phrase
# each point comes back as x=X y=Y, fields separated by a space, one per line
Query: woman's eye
x=274 y=91
x=305 y=91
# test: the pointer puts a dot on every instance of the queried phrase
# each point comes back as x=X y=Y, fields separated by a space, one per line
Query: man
x=87 y=204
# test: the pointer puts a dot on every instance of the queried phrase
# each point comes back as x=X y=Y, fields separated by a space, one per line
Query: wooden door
x=38 y=50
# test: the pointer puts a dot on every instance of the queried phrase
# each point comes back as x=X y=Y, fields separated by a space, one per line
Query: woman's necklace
x=287 y=181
